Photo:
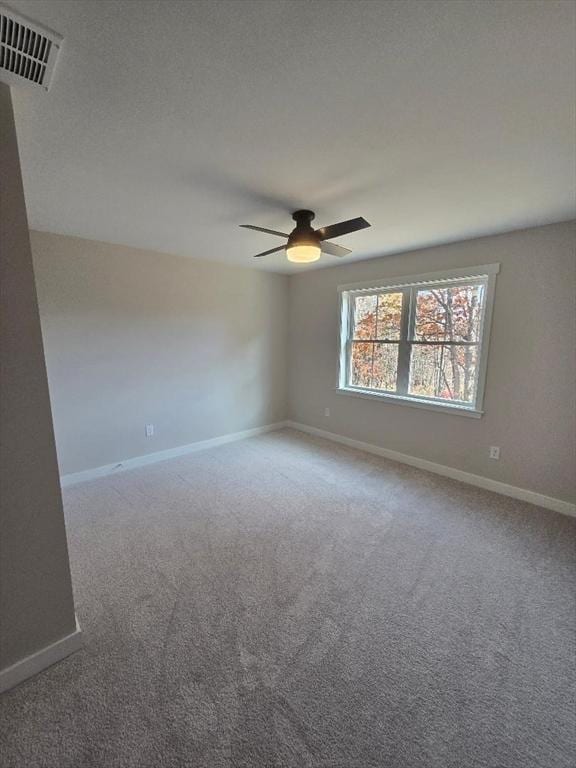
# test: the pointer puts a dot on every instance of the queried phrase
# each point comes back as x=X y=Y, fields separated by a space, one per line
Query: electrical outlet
x=494 y=452
x=326 y=411
x=149 y=430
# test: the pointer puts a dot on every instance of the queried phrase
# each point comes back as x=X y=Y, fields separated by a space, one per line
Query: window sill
x=457 y=410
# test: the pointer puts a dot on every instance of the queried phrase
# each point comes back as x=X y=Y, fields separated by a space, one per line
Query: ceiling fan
x=306 y=244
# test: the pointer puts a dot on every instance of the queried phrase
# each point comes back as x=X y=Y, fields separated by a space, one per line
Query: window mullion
x=349 y=326
x=404 y=346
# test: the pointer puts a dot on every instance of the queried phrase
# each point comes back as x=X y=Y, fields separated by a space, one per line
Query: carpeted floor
x=284 y=602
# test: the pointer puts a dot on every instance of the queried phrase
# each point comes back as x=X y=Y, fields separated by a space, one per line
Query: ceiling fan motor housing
x=303 y=234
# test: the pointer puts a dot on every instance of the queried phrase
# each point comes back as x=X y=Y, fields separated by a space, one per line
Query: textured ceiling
x=169 y=123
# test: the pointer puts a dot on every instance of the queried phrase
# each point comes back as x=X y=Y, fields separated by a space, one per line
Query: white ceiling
x=169 y=123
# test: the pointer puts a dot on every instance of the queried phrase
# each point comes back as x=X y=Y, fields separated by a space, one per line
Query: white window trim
x=485 y=272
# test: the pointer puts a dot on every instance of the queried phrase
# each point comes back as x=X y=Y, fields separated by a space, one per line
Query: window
x=421 y=340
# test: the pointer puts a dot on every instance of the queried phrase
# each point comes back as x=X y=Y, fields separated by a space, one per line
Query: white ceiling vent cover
x=28 y=51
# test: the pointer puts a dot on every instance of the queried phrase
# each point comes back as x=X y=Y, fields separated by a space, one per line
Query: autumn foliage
x=442 y=348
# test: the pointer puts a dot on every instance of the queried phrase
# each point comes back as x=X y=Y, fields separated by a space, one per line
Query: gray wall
x=530 y=399
x=200 y=350
x=134 y=337
x=36 y=604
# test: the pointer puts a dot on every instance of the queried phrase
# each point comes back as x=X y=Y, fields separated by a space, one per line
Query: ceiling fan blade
x=262 y=229
x=342 y=228
x=272 y=250
x=334 y=250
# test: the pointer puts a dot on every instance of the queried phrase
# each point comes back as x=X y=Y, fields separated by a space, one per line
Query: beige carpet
x=284 y=602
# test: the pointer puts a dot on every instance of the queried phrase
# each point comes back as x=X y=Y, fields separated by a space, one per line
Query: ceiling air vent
x=28 y=51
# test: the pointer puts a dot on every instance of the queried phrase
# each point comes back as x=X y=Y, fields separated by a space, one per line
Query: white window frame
x=484 y=274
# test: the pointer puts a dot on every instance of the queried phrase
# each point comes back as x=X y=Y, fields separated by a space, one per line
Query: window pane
x=449 y=314
x=377 y=316
x=374 y=366
x=447 y=372
x=364 y=317
x=385 y=367
x=389 y=316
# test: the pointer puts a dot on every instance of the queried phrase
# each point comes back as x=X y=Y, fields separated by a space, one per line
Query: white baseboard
x=557 y=505
x=539 y=499
x=170 y=453
x=40 y=660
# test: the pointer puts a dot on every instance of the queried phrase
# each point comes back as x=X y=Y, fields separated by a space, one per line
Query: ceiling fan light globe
x=303 y=254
